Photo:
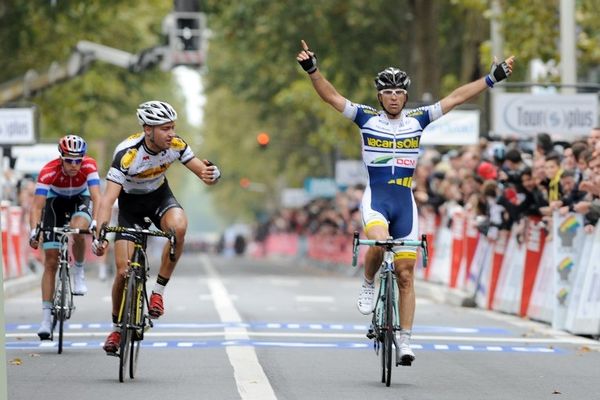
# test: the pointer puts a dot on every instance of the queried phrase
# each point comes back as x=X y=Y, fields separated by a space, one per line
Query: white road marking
x=242 y=333
x=252 y=383
x=314 y=299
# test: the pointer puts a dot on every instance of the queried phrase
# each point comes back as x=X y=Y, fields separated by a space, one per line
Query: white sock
x=79 y=267
x=369 y=283
x=159 y=289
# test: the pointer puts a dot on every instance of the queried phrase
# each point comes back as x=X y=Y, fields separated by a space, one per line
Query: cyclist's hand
x=33 y=238
x=307 y=59
x=93 y=226
x=211 y=174
x=500 y=72
x=98 y=246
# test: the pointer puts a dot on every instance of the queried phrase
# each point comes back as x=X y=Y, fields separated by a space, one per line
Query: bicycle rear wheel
x=126 y=321
x=388 y=330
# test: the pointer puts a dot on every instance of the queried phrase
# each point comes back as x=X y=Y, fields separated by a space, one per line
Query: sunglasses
x=73 y=161
x=389 y=92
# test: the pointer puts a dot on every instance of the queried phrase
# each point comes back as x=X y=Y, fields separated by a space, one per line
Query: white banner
x=562 y=116
x=567 y=242
x=583 y=315
x=458 y=127
x=17 y=126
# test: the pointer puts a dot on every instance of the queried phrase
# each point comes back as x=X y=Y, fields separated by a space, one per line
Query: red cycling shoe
x=156 y=308
x=112 y=342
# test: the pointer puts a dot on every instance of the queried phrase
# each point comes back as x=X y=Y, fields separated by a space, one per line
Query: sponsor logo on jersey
x=406 y=181
x=128 y=158
x=177 y=144
x=405 y=143
x=153 y=172
x=406 y=162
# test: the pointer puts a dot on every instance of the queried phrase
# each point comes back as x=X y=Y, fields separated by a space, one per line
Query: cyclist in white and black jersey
x=391 y=142
x=137 y=179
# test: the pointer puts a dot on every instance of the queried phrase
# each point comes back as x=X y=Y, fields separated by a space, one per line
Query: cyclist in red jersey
x=137 y=179
x=64 y=189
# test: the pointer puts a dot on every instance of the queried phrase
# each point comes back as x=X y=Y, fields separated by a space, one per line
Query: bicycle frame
x=386 y=305
x=62 y=298
x=133 y=321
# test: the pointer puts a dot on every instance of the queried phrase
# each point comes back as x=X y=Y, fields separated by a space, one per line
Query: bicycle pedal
x=371 y=335
x=405 y=361
x=112 y=354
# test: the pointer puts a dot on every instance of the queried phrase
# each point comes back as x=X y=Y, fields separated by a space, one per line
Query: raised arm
x=323 y=87
x=462 y=94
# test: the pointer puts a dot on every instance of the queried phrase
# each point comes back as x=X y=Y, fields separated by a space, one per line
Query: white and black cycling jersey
x=139 y=170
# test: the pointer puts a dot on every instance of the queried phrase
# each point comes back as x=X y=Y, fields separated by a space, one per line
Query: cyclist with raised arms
x=390 y=150
x=65 y=187
x=137 y=179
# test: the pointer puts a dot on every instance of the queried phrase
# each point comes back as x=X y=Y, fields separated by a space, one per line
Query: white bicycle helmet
x=72 y=146
x=155 y=112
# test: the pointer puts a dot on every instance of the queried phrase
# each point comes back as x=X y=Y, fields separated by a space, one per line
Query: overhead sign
x=31 y=159
x=17 y=126
x=320 y=187
x=294 y=198
x=562 y=116
x=458 y=127
x=350 y=172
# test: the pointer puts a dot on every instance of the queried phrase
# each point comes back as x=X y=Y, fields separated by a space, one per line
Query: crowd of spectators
x=500 y=181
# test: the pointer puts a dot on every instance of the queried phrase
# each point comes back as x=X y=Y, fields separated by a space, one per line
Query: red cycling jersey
x=53 y=182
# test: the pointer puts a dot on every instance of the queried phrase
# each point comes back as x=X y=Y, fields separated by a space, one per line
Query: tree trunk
x=425 y=65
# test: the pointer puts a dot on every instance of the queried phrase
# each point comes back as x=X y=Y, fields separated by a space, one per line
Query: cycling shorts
x=134 y=208
x=393 y=207
x=59 y=211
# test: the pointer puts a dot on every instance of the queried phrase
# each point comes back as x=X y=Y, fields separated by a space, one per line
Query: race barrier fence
x=552 y=277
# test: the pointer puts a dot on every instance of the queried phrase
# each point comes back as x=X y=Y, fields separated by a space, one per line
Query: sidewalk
x=25 y=283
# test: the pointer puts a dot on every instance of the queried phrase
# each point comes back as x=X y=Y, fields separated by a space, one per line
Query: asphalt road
x=237 y=328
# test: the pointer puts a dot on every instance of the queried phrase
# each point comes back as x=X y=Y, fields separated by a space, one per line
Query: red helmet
x=72 y=146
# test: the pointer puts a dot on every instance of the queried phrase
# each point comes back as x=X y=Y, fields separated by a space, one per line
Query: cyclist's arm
x=95 y=195
x=103 y=211
x=37 y=206
x=326 y=91
x=470 y=90
x=203 y=171
x=462 y=94
x=323 y=87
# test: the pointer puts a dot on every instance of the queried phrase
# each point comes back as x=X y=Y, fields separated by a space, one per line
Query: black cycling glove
x=498 y=72
x=309 y=65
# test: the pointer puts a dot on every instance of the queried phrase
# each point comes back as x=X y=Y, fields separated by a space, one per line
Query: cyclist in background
x=64 y=187
x=390 y=149
x=137 y=179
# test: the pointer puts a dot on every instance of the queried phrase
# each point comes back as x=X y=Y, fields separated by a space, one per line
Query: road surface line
x=252 y=383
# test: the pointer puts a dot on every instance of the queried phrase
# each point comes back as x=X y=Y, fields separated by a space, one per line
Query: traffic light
x=263 y=140
x=186 y=44
x=244 y=183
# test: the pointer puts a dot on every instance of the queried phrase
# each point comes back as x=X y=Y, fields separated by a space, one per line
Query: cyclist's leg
x=80 y=218
x=405 y=226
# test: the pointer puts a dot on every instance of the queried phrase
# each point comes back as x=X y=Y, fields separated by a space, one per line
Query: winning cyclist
x=390 y=149
x=137 y=179
x=65 y=187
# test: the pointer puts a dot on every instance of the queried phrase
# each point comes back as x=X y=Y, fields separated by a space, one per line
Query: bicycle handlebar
x=141 y=231
x=388 y=244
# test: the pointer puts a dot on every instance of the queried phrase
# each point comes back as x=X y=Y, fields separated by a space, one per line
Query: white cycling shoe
x=79 y=285
x=45 y=331
x=407 y=356
x=366 y=298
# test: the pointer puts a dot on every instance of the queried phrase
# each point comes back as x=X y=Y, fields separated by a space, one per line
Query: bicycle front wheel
x=137 y=331
x=126 y=322
x=60 y=302
x=388 y=330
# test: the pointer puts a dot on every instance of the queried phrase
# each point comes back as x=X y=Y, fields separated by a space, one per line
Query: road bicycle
x=386 y=316
x=62 y=301
x=133 y=320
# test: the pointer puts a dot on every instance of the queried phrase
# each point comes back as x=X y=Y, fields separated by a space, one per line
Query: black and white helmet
x=155 y=112
x=392 y=78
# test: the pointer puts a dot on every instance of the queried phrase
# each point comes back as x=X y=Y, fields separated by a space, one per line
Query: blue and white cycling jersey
x=390 y=150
